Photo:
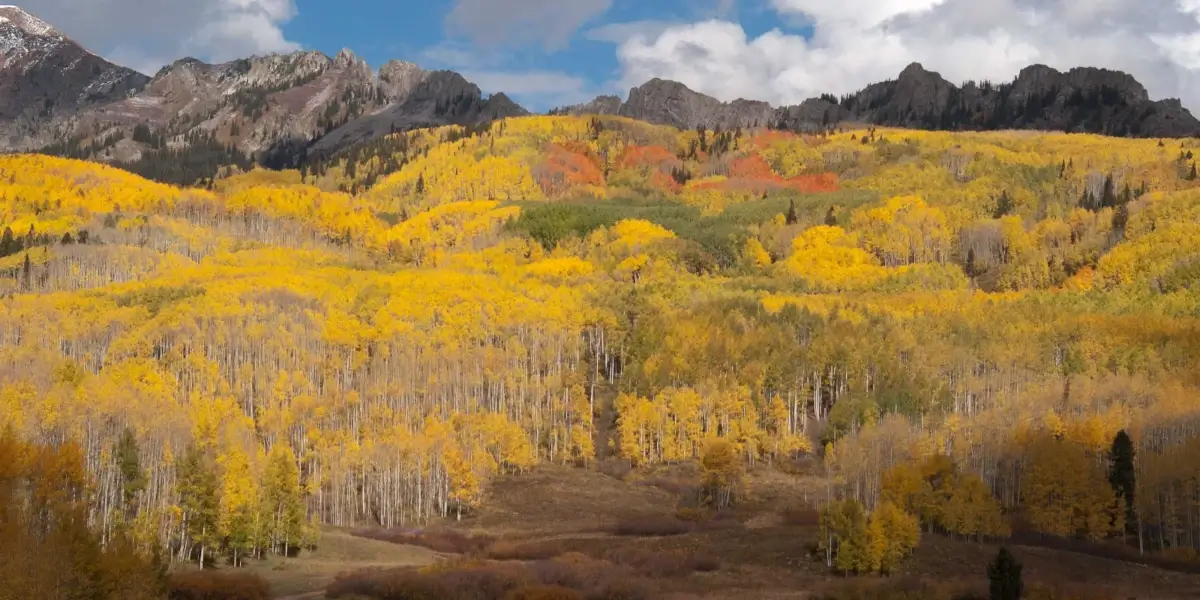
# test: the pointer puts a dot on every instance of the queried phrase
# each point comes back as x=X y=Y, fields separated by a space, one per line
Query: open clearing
x=760 y=554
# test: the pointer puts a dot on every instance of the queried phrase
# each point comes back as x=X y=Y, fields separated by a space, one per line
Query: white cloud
x=550 y=23
x=856 y=42
x=146 y=34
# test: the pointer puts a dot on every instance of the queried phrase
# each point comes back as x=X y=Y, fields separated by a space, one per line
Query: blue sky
x=547 y=53
x=575 y=69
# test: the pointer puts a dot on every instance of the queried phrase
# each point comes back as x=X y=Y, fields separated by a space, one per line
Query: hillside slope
x=979 y=311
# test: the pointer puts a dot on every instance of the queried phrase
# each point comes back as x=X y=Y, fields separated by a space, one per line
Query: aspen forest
x=971 y=334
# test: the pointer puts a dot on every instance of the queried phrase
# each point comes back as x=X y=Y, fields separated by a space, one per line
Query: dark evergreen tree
x=133 y=479
x=8 y=245
x=67 y=239
x=82 y=236
x=831 y=218
x=420 y=184
x=1004 y=205
x=970 y=267
x=26 y=271
x=1121 y=474
x=792 y=218
x=1120 y=217
x=1191 y=176
x=199 y=499
x=1004 y=577
x=1087 y=201
x=1108 y=197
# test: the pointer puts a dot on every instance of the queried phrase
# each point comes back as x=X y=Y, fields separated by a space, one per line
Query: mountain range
x=191 y=117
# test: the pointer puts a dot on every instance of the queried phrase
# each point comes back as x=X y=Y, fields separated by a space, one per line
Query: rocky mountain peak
x=26 y=22
x=44 y=75
x=1084 y=99
x=916 y=70
x=345 y=58
x=399 y=78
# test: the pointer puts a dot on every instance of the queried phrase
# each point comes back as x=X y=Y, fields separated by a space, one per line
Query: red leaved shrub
x=217 y=585
x=652 y=525
x=543 y=592
x=438 y=540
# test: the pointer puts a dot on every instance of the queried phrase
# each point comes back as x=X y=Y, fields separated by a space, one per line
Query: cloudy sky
x=552 y=52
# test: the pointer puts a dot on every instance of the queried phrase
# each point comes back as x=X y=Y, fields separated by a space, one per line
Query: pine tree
x=199 y=501
x=1004 y=205
x=1004 y=577
x=1108 y=196
x=831 y=218
x=1120 y=217
x=970 y=267
x=1191 y=176
x=8 y=245
x=133 y=479
x=1121 y=474
x=420 y=184
x=792 y=218
x=26 y=271
x=282 y=502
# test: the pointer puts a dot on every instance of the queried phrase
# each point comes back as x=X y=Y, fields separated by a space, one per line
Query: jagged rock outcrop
x=1080 y=100
x=434 y=98
x=57 y=97
x=44 y=75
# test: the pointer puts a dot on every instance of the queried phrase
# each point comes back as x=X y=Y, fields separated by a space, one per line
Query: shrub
x=652 y=525
x=568 y=577
x=574 y=570
x=438 y=540
x=801 y=516
x=662 y=563
x=394 y=584
x=543 y=592
x=217 y=585
x=672 y=486
x=506 y=550
x=478 y=582
x=896 y=588
x=617 y=468
x=705 y=563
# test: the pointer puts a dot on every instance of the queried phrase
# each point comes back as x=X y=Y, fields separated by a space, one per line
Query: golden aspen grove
x=956 y=325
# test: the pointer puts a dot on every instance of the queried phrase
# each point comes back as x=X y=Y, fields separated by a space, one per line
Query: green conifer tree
x=1004 y=577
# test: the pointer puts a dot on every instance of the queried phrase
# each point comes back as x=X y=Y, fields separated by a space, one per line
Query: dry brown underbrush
x=528 y=550
x=660 y=564
x=438 y=540
x=217 y=585
x=664 y=525
x=800 y=516
x=543 y=592
x=620 y=575
x=587 y=577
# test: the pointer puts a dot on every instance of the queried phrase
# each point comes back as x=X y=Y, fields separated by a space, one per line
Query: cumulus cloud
x=550 y=23
x=850 y=43
x=146 y=34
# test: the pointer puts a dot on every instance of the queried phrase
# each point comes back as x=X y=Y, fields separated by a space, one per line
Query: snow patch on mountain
x=27 y=22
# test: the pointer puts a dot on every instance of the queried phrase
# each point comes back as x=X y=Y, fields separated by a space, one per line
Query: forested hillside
x=957 y=325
